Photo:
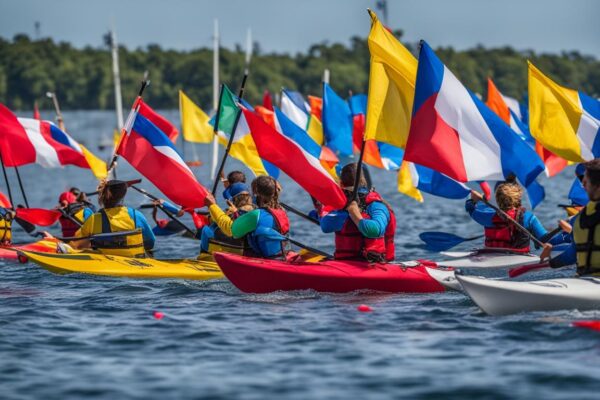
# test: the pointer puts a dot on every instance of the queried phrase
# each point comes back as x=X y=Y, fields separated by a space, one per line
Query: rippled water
x=74 y=336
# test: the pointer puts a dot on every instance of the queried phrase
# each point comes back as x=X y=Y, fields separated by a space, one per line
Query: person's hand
x=546 y=251
x=565 y=226
x=476 y=196
x=353 y=207
x=209 y=200
x=232 y=208
x=46 y=235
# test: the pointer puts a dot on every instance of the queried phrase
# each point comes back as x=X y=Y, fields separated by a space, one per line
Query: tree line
x=82 y=77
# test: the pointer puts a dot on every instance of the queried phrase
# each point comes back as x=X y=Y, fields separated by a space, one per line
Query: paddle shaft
x=232 y=134
x=311 y=249
x=70 y=217
x=169 y=214
x=299 y=213
x=358 y=171
x=6 y=180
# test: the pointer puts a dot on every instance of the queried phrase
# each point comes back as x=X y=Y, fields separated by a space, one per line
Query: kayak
x=99 y=264
x=487 y=258
x=44 y=245
x=259 y=275
x=497 y=297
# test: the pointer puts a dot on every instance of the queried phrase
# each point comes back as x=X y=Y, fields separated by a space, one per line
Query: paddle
x=96 y=236
x=299 y=213
x=441 y=241
x=274 y=235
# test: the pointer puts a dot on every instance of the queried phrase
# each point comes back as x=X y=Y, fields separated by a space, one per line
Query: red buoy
x=158 y=315
x=593 y=324
x=364 y=308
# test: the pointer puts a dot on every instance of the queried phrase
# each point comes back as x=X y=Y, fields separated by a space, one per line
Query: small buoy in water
x=364 y=308
x=593 y=325
x=158 y=315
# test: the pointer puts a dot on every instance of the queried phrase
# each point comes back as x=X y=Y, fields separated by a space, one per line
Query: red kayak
x=44 y=245
x=258 y=275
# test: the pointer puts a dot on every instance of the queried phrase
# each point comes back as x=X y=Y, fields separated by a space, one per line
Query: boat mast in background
x=215 y=155
x=116 y=77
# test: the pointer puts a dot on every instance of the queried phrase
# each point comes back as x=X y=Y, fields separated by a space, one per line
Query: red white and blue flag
x=150 y=151
x=158 y=120
x=296 y=154
x=453 y=132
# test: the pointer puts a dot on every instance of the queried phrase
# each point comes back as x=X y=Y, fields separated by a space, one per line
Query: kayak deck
x=488 y=258
x=44 y=245
x=98 y=264
x=256 y=275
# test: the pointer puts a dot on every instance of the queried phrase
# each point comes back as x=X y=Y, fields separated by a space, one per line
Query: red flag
x=267 y=101
x=38 y=216
x=316 y=106
x=161 y=122
x=15 y=146
x=4 y=201
x=36 y=111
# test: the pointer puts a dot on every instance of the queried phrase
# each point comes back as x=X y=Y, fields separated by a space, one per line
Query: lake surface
x=66 y=337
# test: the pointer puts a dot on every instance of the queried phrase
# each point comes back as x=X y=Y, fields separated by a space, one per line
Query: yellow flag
x=315 y=130
x=554 y=117
x=194 y=121
x=391 y=87
x=97 y=166
x=405 y=182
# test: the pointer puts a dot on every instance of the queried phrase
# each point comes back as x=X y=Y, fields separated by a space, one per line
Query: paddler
x=74 y=213
x=499 y=232
x=114 y=217
x=7 y=215
x=218 y=236
x=266 y=227
x=365 y=229
x=585 y=249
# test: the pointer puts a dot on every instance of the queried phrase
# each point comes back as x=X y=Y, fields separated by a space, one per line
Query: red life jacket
x=505 y=235
x=69 y=227
x=351 y=244
x=281 y=220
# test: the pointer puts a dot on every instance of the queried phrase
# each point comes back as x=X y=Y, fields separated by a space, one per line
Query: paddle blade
x=441 y=241
x=38 y=216
x=517 y=271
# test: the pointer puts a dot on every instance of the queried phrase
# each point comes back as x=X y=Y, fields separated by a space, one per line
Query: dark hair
x=110 y=193
x=266 y=191
x=348 y=176
x=75 y=191
x=236 y=176
x=592 y=171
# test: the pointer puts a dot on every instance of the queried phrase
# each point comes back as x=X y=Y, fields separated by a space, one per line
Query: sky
x=292 y=26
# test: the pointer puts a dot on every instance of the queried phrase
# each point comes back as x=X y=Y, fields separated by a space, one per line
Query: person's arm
x=141 y=222
x=567 y=257
x=333 y=221
x=533 y=225
x=375 y=226
x=172 y=208
x=245 y=224
x=223 y=221
x=85 y=231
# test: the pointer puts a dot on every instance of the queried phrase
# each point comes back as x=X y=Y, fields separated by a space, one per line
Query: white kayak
x=497 y=297
x=445 y=277
x=487 y=258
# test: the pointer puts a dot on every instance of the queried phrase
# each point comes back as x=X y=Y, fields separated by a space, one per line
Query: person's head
x=111 y=193
x=234 y=177
x=239 y=195
x=66 y=198
x=509 y=195
x=591 y=179
x=348 y=176
x=266 y=190
x=75 y=191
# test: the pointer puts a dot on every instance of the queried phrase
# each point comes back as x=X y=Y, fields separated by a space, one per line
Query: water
x=76 y=336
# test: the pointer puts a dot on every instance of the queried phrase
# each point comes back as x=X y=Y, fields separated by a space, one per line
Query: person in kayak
x=166 y=226
x=7 y=215
x=74 y=213
x=266 y=227
x=232 y=178
x=499 y=232
x=365 y=229
x=218 y=236
x=114 y=217
x=585 y=248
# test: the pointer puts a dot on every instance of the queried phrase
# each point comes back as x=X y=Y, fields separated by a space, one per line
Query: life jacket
x=505 y=235
x=281 y=224
x=5 y=226
x=69 y=227
x=128 y=245
x=351 y=244
x=220 y=242
x=586 y=236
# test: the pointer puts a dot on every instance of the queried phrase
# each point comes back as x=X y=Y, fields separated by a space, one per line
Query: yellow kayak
x=99 y=264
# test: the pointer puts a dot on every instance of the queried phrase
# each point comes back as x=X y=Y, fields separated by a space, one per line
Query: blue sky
x=293 y=25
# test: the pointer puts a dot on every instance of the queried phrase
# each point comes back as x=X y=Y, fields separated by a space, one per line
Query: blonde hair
x=509 y=195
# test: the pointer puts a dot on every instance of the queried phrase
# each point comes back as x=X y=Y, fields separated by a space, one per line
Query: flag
x=316 y=106
x=563 y=120
x=413 y=178
x=337 y=122
x=36 y=111
x=158 y=120
x=315 y=121
x=151 y=152
x=299 y=161
x=391 y=87
x=4 y=201
x=454 y=133
x=509 y=110
x=243 y=147
x=577 y=194
x=267 y=100
x=15 y=146
x=194 y=121
x=536 y=193
x=295 y=108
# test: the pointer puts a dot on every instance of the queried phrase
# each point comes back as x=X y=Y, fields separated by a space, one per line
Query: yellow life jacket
x=586 y=235
x=114 y=220
x=5 y=227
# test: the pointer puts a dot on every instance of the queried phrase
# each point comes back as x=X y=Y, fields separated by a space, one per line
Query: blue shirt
x=262 y=236
x=140 y=222
x=372 y=227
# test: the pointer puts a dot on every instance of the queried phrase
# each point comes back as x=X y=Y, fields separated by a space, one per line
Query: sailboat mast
x=215 y=154
x=116 y=78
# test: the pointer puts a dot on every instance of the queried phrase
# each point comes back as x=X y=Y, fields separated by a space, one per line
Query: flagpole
x=21 y=186
x=116 y=77
x=6 y=180
x=59 y=117
x=216 y=98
